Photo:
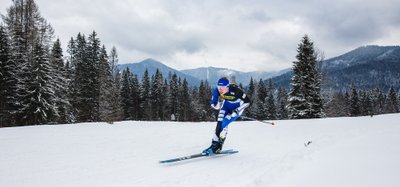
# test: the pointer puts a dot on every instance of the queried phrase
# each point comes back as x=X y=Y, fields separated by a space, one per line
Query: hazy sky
x=244 y=35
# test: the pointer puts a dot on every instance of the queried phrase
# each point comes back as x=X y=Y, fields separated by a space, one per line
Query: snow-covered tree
x=39 y=105
x=392 y=105
x=251 y=93
x=115 y=92
x=173 y=96
x=157 y=100
x=204 y=97
x=145 y=93
x=185 y=101
x=60 y=82
x=106 y=85
x=282 y=99
x=354 y=102
x=259 y=103
x=30 y=42
x=305 y=99
x=7 y=80
x=270 y=102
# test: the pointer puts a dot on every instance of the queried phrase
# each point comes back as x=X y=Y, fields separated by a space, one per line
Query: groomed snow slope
x=362 y=151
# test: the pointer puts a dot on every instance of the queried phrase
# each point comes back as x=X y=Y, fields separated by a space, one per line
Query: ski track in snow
x=359 y=151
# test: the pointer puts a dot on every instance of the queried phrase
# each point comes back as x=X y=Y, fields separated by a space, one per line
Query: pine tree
x=305 y=98
x=145 y=93
x=282 y=103
x=92 y=86
x=173 y=98
x=270 y=102
x=354 y=102
x=378 y=101
x=135 y=98
x=157 y=101
x=71 y=68
x=126 y=101
x=336 y=106
x=204 y=101
x=392 y=103
x=366 y=103
x=106 y=86
x=60 y=83
x=84 y=91
x=7 y=80
x=42 y=100
x=115 y=94
x=30 y=35
x=251 y=93
x=196 y=109
x=185 y=111
x=261 y=110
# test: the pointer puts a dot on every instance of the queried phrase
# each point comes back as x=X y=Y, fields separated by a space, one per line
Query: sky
x=244 y=35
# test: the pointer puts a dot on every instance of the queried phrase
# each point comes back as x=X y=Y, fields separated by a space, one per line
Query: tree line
x=38 y=85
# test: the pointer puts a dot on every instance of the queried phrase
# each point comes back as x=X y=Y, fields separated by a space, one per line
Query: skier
x=233 y=103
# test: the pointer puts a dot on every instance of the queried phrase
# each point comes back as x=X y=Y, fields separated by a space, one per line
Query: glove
x=232 y=115
x=238 y=111
x=216 y=106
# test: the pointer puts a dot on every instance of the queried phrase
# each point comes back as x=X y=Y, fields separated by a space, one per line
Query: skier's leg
x=217 y=142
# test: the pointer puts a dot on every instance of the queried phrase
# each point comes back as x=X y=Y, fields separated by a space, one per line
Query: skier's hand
x=216 y=106
x=238 y=111
x=232 y=115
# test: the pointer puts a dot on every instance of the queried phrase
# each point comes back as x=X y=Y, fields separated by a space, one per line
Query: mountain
x=195 y=76
x=367 y=67
x=211 y=74
x=152 y=65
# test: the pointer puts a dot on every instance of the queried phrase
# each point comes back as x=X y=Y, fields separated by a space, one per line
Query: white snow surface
x=353 y=152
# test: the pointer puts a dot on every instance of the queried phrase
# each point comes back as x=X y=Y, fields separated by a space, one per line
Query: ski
x=229 y=151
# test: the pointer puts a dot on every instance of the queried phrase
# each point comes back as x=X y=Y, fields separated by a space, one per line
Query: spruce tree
x=204 y=101
x=135 y=98
x=26 y=28
x=185 y=110
x=105 y=87
x=60 y=83
x=282 y=98
x=251 y=93
x=305 y=98
x=157 y=100
x=270 y=102
x=260 y=106
x=92 y=83
x=392 y=102
x=354 y=102
x=71 y=68
x=115 y=94
x=173 y=98
x=7 y=80
x=41 y=107
x=145 y=93
x=126 y=101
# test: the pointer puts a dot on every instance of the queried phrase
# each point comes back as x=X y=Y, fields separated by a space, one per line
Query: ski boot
x=216 y=147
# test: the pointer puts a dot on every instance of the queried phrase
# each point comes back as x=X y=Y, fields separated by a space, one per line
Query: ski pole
x=253 y=119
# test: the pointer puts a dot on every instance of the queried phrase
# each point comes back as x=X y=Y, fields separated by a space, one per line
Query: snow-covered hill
x=360 y=151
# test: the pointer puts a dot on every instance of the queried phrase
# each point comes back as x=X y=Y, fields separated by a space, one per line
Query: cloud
x=238 y=34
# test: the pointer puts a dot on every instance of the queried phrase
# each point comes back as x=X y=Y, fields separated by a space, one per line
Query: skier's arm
x=214 y=99
x=244 y=103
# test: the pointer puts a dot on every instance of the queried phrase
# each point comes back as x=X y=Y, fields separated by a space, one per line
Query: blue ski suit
x=233 y=104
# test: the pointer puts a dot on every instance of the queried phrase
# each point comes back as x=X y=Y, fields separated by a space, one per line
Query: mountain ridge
x=367 y=67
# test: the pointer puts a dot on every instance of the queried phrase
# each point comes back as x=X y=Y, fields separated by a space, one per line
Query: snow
x=360 y=151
